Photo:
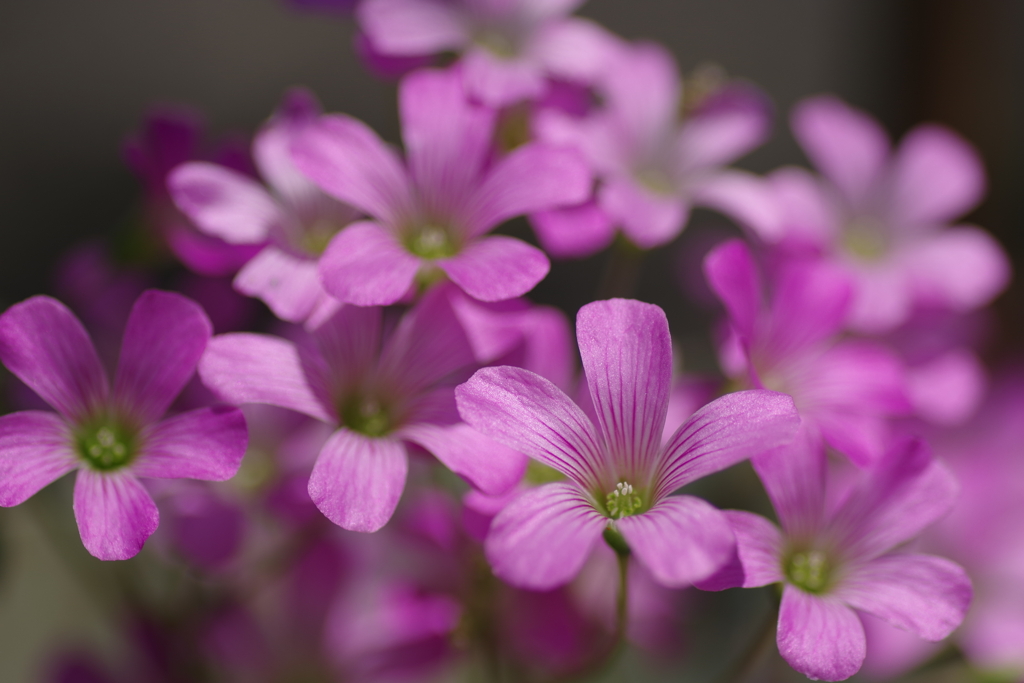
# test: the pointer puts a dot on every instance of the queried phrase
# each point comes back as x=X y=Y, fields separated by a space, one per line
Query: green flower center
x=623 y=501
x=431 y=242
x=315 y=238
x=366 y=416
x=656 y=180
x=106 y=445
x=497 y=42
x=865 y=239
x=809 y=570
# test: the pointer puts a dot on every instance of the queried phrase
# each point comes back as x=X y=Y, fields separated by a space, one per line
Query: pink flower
x=786 y=341
x=884 y=215
x=653 y=166
x=169 y=137
x=509 y=49
x=983 y=531
x=431 y=216
x=835 y=557
x=112 y=436
x=292 y=217
x=382 y=392
x=620 y=475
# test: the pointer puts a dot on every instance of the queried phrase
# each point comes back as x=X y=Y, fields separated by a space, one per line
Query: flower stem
x=621 y=602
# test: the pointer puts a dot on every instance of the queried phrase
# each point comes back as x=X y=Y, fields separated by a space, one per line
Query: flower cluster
x=518 y=519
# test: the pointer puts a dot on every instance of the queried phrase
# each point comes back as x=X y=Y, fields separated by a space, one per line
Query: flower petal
x=733 y=121
x=576 y=49
x=575 y=231
x=427 y=345
x=271 y=149
x=289 y=285
x=46 y=347
x=732 y=428
x=681 y=539
x=207 y=443
x=357 y=480
x=349 y=343
x=745 y=198
x=488 y=465
x=648 y=219
x=810 y=303
x=411 y=27
x=364 y=265
x=447 y=138
x=946 y=390
x=936 y=177
x=759 y=544
x=820 y=636
x=257 y=368
x=733 y=276
x=115 y=514
x=164 y=339
x=627 y=356
x=498 y=81
x=543 y=537
x=794 y=478
x=923 y=594
x=533 y=177
x=497 y=268
x=895 y=501
x=531 y=415
x=35 y=449
x=348 y=161
x=224 y=203
x=845 y=144
x=643 y=92
x=963 y=268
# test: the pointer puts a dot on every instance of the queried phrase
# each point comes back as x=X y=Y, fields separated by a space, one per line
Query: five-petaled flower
x=620 y=475
x=111 y=435
x=835 y=557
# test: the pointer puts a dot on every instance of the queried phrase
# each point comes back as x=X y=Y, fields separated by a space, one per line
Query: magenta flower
x=382 y=393
x=112 y=436
x=884 y=214
x=845 y=390
x=653 y=167
x=620 y=475
x=169 y=137
x=292 y=216
x=835 y=558
x=432 y=216
x=983 y=531
x=509 y=49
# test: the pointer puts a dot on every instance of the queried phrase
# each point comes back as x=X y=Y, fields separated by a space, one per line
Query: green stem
x=621 y=601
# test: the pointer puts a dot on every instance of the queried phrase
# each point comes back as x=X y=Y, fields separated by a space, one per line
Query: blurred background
x=77 y=77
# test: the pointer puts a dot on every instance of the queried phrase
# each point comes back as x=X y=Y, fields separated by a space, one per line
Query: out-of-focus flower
x=835 y=558
x=620 y=476
x=983 y=531
x=509 y=49
x=112 y=436
x=884 y=215
x=381 y=393
x=845 y=390
x=431 y=216
x=292 y=216
x=171 y=136
x=653 y=166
